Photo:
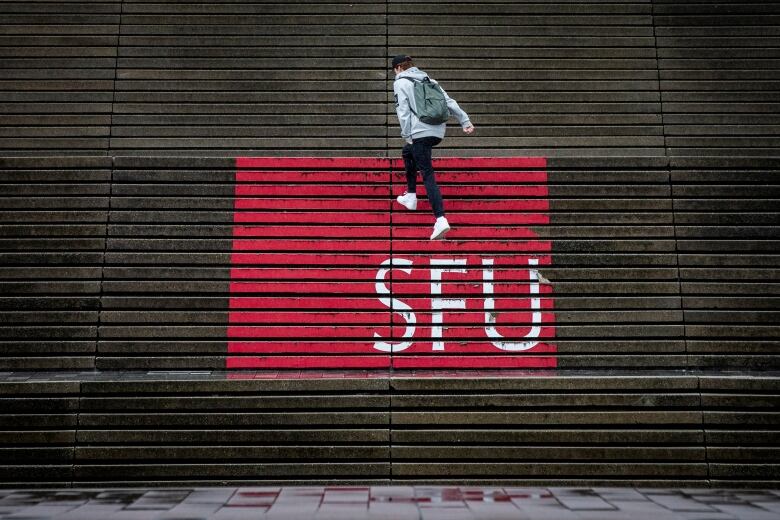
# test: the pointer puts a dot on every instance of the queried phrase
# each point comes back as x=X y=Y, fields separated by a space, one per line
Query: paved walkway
x=391 y=503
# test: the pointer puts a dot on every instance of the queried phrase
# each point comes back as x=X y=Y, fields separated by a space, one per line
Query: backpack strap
x=417 y=80
x=410 y=102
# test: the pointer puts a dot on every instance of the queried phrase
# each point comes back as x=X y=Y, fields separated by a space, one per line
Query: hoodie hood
x=414 y=73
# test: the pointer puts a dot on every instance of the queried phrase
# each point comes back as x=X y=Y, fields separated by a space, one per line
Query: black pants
x=417 y=156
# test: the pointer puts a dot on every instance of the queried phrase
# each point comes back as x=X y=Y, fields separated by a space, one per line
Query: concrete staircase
x=121 y=121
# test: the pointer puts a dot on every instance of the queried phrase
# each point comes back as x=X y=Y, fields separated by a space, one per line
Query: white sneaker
x=440 y=228
x=408 y=200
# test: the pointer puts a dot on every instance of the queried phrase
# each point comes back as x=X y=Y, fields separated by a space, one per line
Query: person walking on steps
x=423 y=108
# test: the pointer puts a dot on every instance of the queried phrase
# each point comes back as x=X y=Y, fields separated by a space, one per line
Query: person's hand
x=469 y=129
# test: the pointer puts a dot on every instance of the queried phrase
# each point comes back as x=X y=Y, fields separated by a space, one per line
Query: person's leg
x=409 y=199
x=411 y=168
x=421 y=150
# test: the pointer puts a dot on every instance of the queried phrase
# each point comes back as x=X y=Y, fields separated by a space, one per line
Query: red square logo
x=329 y=271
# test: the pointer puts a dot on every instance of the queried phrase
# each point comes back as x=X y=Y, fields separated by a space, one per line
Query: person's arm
x=403 y=110
x=459 y=113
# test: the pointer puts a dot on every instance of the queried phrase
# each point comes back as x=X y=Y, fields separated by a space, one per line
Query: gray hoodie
x=411 y=127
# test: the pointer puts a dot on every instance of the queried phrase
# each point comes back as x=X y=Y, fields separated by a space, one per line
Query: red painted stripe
x=313 y=190
x=420 y=218
x=419 y=304
x=342 y=346
x=509 y=319
x=481 y=177
x=422 y=305
x=511 y=260
x=296 y=318
x=507 y=191
x=301 y=274
x=454 y=332
x=319 y=232
x=503 y=272
x=503 y=361
x=312 y=176
x=473 y=261
x=450 y=287
x=312 y=217
x=467 y=346
x=335 y=204
x=307 y=259
x=312 y=245
x=407 y=232
x=305 y=332
x=473 y=163
x=465 y=232
x=300 y=302
x=470 y=347
x=303 y=287
x=479 y=163
x=486 y=247
x=477 y=205
x=378 y=361
x=338 y=274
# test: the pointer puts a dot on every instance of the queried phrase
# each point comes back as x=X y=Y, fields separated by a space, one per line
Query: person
x=420 y=139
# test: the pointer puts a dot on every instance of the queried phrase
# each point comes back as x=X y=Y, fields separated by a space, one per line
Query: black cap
x=397 y=60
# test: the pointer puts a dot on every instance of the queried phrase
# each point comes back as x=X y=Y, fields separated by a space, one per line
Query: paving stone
x=621 y=515
x=716 y=498
x=40 y=511
x=679 y=503
x=159 y=500
x=620 y=494
x=393 y=511
x=547 y=512
x=436 y=513
x=122 y=497
x=286 y=508
x=253 y=497
x=394 y=492
x=754 y=496
x=577 y=499
x=636 y=510
x=246 y=513
x=190 y=511
x=496 y=510
x=439 y=497
x=529 y=493
x=705 y=516
x=210 y=496
x=773 y=507
x=349 y=495
x=91 y=511
x=342 y=511
x=747 y=511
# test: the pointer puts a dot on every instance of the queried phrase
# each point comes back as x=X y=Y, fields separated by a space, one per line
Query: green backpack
x=431 y=104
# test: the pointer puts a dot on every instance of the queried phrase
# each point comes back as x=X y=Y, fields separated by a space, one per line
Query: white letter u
x=490 y=305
